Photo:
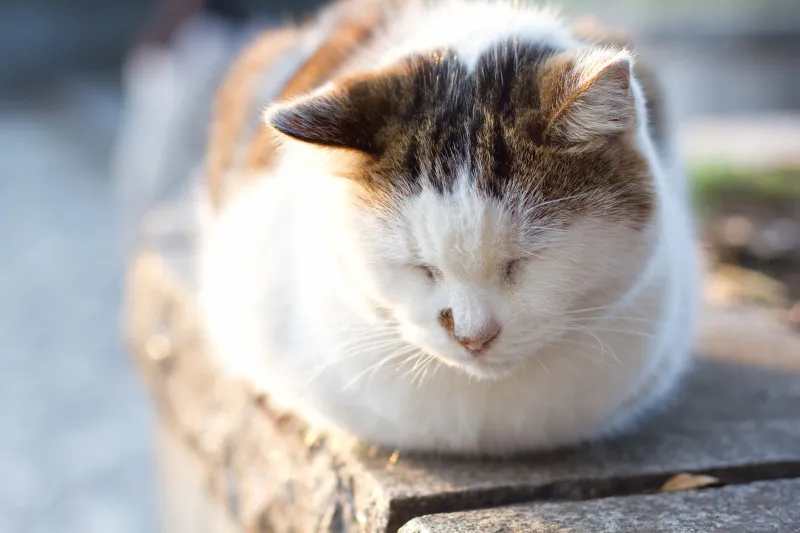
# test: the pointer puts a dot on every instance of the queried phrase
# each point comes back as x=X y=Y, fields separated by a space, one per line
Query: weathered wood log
x=231 y=462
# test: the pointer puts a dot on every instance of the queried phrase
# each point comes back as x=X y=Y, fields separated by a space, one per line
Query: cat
x=463 y=229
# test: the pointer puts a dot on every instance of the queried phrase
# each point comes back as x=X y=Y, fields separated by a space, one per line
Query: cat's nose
x=475 y=343
x=478 y=343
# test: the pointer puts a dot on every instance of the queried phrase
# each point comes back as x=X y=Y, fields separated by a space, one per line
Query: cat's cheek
x=415 y=300
x=389 y=285
x=423 y=337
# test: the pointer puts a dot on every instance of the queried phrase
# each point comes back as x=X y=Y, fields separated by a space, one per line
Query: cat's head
x=493 y=198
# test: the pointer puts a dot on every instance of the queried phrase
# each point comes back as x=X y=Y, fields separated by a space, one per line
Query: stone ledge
x=754 y=508
x=739 y=422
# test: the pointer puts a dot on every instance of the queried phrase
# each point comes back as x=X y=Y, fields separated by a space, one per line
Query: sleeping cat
x=463 y=229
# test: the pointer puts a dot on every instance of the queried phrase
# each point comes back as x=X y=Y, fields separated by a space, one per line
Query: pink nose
x=480 y=342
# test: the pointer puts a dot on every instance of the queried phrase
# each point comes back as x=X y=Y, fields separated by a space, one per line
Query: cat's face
x=498 y=198
x=480 y=286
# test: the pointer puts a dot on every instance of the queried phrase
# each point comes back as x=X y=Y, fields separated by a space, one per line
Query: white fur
x=296 y=284
x=470 y=28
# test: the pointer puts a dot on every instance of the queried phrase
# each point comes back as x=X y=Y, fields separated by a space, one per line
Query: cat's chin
x=484 y=368
x=496 y=364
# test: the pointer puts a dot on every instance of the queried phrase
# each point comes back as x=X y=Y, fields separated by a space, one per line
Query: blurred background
x=79 y=77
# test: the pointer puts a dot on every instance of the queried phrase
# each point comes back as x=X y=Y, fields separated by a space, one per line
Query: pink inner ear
x=594 y=97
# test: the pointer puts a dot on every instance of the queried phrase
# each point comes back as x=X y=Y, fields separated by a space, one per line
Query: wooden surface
x=737 y=420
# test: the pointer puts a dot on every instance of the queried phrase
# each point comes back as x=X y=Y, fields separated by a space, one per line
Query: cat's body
x=470 y=241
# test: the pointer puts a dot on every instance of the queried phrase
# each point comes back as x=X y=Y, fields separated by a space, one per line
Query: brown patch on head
x=234 y=100
x=350 y=34
x=352 y=23
x=529 y=125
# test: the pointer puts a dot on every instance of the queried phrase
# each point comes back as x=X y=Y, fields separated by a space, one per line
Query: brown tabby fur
x=234 y=101
x=439 y=118
x=357 y=21
x=416 y=124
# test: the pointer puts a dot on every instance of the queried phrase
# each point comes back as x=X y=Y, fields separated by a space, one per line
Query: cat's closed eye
x=430 y=272
x=511 y=269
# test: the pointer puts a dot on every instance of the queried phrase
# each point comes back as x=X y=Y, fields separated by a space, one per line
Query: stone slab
x=184 y=498
x=733 y=452
x=754 y=508
x=736 y=421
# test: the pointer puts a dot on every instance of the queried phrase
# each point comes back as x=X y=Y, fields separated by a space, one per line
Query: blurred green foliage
x=713 y=183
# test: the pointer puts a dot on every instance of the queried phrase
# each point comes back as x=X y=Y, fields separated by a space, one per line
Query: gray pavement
x=74 y=451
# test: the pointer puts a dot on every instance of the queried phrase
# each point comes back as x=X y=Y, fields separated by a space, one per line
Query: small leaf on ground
x=684 y=481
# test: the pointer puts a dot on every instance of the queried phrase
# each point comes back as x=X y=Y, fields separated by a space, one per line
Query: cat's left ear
x=586 y=95
x=349 y=114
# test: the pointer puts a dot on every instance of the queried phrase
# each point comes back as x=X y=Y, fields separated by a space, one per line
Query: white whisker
x=544 y=367
x=587 y=309
x=374 y=367
x=363 y=349
x=639 y=333
x=564 y=199
x=603 y=346
x=616 y=317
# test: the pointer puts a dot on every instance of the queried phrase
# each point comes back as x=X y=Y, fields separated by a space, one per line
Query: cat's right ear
x=587 y=95
x=348 y=115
